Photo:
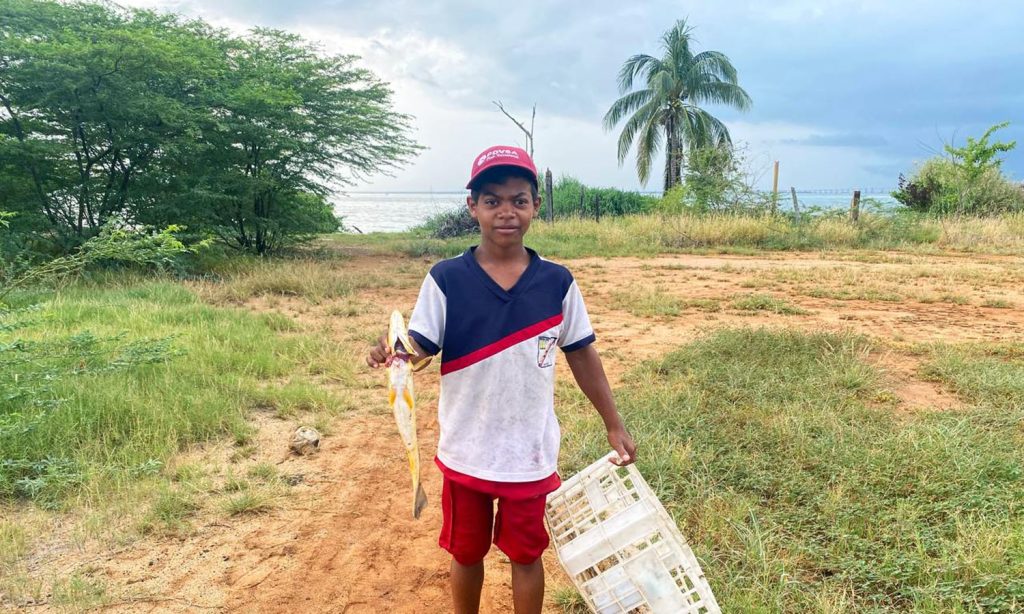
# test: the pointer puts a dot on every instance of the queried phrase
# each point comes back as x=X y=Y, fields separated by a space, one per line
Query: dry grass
x=312 y=280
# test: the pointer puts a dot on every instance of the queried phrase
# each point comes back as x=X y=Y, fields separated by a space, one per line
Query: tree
x=666 y=110
x=109 y=112
x=90 y=99
x=288 y=125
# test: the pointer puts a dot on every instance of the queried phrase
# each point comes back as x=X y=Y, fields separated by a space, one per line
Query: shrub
x=717 y=179
x=568 y=192
x=967 y=182
x=451 y=223
x=115 y=245
x=916 y=195
x=675 y=201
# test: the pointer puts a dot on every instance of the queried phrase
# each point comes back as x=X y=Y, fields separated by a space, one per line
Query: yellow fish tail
x=419 y=500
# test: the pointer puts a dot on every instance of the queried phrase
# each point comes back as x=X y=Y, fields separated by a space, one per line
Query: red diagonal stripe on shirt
x=501 y=344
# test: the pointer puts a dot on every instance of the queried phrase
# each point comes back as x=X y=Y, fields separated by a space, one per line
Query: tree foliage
x=666 y=111
x=160 y=120
x=968 y=181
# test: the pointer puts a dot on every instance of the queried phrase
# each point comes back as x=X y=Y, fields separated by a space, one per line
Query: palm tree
x=667 y=110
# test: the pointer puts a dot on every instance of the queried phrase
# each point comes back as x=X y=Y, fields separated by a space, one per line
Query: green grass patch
x=13 y=542
x=169 y=513
x=991 y=377
x=646 y=303
x=570 y=600
x=264 y=472
x=312 y=279
x=798 y=494
x=764 y=302
x=79 y=593
x=293 y=397
x=247 y=502
x=853 y=294
x=997 y=303
x=101 y=386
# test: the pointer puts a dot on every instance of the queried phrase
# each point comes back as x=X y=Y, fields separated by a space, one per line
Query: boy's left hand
x=622 y=442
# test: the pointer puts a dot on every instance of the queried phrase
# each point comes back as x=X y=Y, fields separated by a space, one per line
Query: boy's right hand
x=380 y=355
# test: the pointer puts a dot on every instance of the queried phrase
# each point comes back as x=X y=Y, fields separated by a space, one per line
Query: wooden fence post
x=796 y=203
x=855 y=206
x=775 y=187
x=583 y=192
x=548 y=196
x=597 y=207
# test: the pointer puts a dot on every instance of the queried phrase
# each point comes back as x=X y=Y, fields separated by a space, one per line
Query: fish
x=402 y=398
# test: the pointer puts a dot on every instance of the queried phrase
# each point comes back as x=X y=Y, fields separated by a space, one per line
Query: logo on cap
x=497 y=153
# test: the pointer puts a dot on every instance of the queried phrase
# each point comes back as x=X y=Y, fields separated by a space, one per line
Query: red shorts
x=470 y=524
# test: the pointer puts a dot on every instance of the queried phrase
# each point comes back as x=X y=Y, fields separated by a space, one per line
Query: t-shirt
x=497 y=410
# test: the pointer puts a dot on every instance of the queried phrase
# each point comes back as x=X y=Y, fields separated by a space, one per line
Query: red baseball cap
x=501 y=155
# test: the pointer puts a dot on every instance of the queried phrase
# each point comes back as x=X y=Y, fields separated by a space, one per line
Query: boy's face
x=504 y=211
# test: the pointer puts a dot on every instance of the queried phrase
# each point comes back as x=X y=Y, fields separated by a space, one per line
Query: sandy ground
x=343 y=540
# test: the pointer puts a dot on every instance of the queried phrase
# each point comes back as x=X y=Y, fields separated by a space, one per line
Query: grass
x=79 y=593
x=169 y=514
x=13 y=542
x=310 y=279
x=647 y=235
x=569 y=600
x=991 y=377
x=248 y=502
x=703 y=304
x=764 y=302
x=647 y=303
x=997 y=303
x=852 y=294
x=798 y=494
x=102 y=385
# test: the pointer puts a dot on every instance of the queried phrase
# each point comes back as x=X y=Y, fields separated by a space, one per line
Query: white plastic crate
x=620 y=547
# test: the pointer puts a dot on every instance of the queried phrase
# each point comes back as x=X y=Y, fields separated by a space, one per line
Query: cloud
x=840 y=140
x=845 y=92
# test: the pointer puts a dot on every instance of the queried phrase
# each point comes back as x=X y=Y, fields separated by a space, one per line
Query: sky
x=846 y=94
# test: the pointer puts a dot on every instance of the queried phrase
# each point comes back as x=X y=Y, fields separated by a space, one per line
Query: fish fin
x=408 y=398
x=419 y=364
x=419 y=501
x=391 y=396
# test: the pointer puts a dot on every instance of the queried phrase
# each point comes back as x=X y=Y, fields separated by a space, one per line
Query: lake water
x=398 y=211
x=393 y=211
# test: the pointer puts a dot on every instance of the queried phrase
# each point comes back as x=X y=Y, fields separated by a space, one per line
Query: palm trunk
x=673 y=156
x=670 y=149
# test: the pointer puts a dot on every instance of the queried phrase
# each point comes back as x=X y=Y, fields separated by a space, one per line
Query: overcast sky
x=846 y=93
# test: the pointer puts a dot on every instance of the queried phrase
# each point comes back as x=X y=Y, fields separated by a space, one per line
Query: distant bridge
x=863 y=191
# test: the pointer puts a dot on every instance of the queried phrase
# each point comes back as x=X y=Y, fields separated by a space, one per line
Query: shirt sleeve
x=577 y=333
x=426 y=326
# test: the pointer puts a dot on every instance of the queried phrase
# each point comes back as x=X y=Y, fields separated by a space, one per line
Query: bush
x=451 y=223
x=116 y=245
x=967 y=182
x=715 y=182
x=941 y=186
x=567 y=193
x=675 y=201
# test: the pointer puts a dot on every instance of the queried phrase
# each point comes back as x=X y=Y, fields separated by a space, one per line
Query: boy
x=496 y=313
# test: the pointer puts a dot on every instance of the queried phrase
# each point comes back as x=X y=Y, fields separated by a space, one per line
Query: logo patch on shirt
x=545 y=351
